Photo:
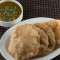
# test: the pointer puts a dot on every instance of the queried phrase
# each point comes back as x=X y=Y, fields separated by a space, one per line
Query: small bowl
x=11 y=23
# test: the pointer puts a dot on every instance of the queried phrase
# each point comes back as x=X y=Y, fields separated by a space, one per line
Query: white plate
x=5 y=39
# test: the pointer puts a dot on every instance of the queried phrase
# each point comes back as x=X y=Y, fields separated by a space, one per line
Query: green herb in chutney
x=9 y=11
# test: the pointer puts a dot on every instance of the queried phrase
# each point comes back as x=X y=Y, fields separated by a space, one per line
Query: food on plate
x=24 y=42
x=51 y=38
x=57 y=34
x=9 y=11
x=31 y=40
x=55 y=25
x=43 y=40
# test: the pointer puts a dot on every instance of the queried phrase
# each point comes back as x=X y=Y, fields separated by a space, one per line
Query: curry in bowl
x=9 y=11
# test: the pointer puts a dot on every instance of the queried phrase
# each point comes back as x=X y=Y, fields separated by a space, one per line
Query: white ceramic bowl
x=9 y=24
x=5 y=40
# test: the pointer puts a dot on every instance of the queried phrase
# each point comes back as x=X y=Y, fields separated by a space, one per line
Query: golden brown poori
x=51 y=37
x=43 y=40
x=25 y=42
x=55 y=26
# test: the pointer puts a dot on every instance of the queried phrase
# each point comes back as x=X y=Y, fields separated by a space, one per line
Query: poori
x=51 y=37
x=55 y=25
x=25 y=42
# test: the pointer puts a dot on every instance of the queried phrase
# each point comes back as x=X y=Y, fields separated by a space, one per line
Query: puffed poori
x=55 y=26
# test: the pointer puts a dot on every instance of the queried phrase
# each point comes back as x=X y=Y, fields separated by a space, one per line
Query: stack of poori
x=31 y=40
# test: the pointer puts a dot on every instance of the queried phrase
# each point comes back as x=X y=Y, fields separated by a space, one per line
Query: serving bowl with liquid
x=15 y=21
